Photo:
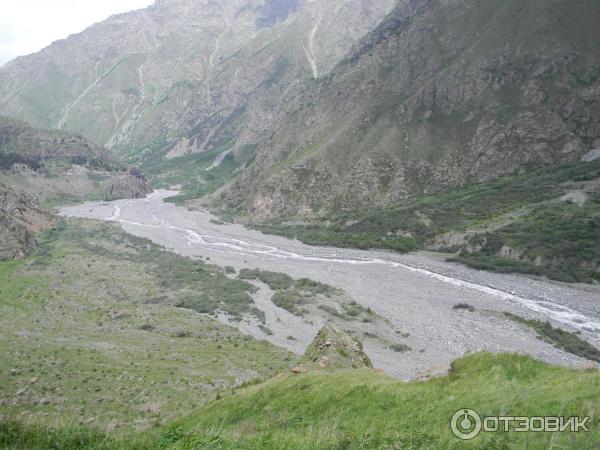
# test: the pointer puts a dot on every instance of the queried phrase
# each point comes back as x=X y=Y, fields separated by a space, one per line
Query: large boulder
x=131 y=184
x=333 y=349
x=20 y=218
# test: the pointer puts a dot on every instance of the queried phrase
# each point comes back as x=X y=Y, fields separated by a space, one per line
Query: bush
x=249 y=274
x=562 y=339
x=182 y=334
x=464 y=306
x=289 y=300
x=314 y=287
x=275 y=280
x=265 y=330
x=400 y=348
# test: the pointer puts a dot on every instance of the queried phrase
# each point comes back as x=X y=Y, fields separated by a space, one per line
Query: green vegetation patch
x=363 y=409
x=291 y=300
x=274 y=280
x=195 y=173
x=557 y=239
x=562 y=339
x=464 y=306
x=400 y=348
x=189 y=283
x=292 y=294
x=338 y=237
x=90 y=338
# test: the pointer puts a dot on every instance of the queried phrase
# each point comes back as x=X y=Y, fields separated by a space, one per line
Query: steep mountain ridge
x=182 y=73
x=440 y=94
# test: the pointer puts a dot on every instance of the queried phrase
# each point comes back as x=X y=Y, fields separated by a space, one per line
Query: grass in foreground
x=363 y=409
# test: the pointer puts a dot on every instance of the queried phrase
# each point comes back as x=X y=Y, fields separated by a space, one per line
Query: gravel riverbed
x=414 y=293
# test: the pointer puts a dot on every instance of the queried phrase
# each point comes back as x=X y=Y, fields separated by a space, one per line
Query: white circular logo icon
x=465 y=424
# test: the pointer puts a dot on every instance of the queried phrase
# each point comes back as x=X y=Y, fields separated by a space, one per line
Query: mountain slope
x=544 y=221
x=54 y=165
x=441 y=93
x=177 y=76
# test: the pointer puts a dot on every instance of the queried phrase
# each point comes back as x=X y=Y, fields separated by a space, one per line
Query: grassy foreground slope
x=364 y=409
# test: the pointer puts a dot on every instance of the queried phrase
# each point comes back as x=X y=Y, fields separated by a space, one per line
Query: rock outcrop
x=54 y=163
x=20 y=218
x=131 y=184
x=22 y=143
x=333 y=349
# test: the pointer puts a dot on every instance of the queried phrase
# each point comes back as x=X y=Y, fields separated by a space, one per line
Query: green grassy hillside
x=90 y=333
x=363 y=409
x=195 y=174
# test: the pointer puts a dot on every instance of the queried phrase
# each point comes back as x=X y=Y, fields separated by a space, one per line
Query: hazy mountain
x=183 y=68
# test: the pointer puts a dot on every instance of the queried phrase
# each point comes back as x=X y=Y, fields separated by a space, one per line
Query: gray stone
x=592 y=155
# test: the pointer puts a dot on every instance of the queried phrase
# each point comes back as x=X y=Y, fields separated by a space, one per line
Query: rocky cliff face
x=131 y=184
x=440 y=94
x=205 y=71
x=333 y=349
x=27 y=144
x=51 y=163
x=20 y=218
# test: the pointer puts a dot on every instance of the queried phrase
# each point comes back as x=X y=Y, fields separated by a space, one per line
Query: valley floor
x=413 y=295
